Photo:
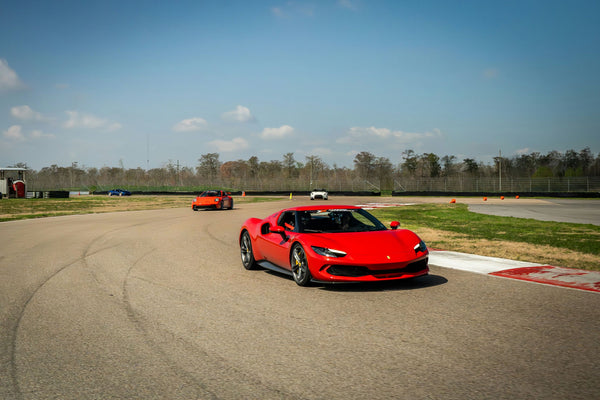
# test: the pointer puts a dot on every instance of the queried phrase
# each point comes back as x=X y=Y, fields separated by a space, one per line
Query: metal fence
x=347 y=183
x=495 y=185
x=456 y=185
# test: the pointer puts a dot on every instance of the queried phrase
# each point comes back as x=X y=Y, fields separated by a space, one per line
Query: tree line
x=369 y=172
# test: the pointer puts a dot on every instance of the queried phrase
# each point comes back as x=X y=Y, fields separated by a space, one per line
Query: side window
x=288 y=220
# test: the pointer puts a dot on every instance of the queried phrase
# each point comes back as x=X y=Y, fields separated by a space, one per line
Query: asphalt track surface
x=559 y=210
x=156 y=305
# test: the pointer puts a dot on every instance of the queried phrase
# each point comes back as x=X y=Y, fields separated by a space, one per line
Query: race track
x=156 y=305
x=578 y=211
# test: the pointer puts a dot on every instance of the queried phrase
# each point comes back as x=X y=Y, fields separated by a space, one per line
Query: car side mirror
x=394 y=225
x=277 y=229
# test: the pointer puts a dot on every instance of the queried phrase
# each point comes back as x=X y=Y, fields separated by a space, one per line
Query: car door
x=276 y=245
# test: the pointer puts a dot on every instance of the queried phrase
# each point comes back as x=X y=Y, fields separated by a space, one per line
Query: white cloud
x=89 y=121
x=240 y=114
x=355 y=134
x=190 y=125
x=14 y=133
x=114 y=126
x=37 y=134
x=291 y=9
x=321 y=151
x=278 y=12
x=523 y=151
x=230 y=145
x=349 y=4
x=8 y=78
x=277 y=133
x=26 y=113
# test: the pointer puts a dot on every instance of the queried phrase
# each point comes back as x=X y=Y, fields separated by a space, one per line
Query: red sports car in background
x=332 y=244
x=216 y=199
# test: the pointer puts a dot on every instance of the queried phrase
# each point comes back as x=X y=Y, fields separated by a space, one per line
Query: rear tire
x=246 y=252
x=299 y=264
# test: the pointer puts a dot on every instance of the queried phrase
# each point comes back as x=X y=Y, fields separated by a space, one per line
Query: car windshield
x=338 y=220
x=210 y=193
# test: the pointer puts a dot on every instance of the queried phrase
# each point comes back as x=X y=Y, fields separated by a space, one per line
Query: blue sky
x=142 y=83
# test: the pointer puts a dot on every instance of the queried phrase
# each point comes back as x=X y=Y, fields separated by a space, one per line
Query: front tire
x=299 y=264
x=246 y=252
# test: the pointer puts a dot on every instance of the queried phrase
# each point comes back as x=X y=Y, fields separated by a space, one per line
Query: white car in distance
x=319 y=194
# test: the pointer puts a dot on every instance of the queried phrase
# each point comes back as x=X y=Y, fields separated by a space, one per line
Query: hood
x=397 y=244
x=207 y=200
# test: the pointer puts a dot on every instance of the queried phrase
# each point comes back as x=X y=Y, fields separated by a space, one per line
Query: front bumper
x=339 y=272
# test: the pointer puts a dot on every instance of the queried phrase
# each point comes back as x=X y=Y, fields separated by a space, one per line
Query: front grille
x=356 y=270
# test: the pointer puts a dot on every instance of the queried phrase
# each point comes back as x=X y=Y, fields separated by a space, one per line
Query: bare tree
x=208 y=167
x=364 y=164
x=290 y=165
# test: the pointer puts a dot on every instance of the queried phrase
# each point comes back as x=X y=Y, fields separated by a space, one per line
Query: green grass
x=583 y=238
x=16 y=209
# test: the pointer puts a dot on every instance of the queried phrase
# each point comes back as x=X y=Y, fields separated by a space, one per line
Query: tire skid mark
x=14 y=329
x=89 y=253
x=139 y=322
x=218 y=363
x=208 y=228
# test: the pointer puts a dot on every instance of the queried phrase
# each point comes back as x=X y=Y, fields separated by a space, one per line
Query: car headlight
x=217 y=199
x=323 y=251
x=421 y=247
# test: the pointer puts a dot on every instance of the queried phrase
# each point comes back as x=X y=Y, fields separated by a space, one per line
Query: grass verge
x=15 y=209
x=454 y=227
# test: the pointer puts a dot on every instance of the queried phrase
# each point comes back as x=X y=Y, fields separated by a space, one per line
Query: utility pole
x=500 y=169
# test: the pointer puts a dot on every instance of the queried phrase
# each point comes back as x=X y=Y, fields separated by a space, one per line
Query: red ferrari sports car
x=217 y=199
x=332 y=244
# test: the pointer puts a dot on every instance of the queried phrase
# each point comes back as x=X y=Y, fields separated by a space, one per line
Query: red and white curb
x=525 y=271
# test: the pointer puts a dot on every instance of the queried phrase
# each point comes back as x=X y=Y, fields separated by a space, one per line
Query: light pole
x=500 y=169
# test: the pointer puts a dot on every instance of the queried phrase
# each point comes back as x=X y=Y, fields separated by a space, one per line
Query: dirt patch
x=541 y=254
